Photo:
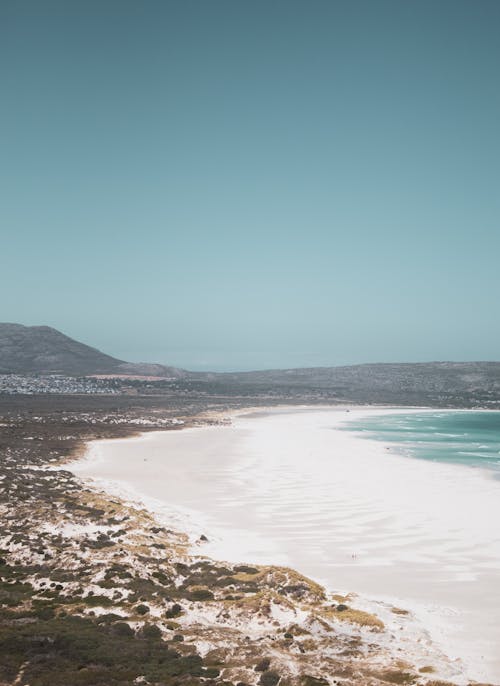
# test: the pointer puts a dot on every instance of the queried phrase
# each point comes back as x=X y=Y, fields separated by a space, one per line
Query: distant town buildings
x=15 y=384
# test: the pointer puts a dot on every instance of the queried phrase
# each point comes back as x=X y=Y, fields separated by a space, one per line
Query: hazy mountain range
x=44 y=350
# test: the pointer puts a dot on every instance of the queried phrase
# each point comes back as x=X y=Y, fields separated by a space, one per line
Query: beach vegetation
x=142 y=609
x=162 y=578
x=122 y=629
x=145 y=588
x=342 y=598
x=107 y=618
x=151 y=631
x=308 y=680
x=173 y=626
x=211 y=672
x=14 y=593
x=350 y=614
x=263 y=665
x=78 y=651
x=174 y=611
x=93 y=600
x=399 y=611
x=297 y=630
x=396 y=676
x=269 y=678
x=251 y=576
x=309 y=644
x=207 y=575
x=245 y=569
x=200 y=593
x=44 y=612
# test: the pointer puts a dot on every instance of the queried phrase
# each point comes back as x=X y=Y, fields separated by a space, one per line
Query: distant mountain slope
x=438 y=375
x=417 y=383
x=43 y=350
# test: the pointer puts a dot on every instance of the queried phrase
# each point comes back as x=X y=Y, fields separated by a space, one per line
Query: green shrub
x=201 y=594
x=78 y=651
x=108 y=618
x=174 y=611
x=211 y=673
x=123 y=629
x=263 y=665
x=151 y=631
x=45 y=612
x=245 y=569
x=269 y=678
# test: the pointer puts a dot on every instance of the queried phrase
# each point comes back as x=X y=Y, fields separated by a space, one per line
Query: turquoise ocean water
x=468 y=438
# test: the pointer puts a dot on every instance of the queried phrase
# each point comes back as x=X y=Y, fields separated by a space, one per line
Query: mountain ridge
x=45 y=350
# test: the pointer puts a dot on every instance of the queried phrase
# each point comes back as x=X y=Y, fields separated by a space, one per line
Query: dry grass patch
x=399 y=611
x=354 y=616
x=342 y=599
x=396 y=676
x=309 y=644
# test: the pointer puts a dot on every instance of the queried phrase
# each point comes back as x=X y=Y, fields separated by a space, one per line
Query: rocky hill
x=412 y=375
x=439 y=383
x=44 y=350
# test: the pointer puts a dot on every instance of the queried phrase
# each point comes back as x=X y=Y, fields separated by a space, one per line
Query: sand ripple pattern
x=289 y=488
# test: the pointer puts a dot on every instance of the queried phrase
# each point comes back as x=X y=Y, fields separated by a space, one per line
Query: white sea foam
x=289 y=488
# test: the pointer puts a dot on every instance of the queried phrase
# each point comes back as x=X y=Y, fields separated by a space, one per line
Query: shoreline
x=184 y=514
x=85 y=570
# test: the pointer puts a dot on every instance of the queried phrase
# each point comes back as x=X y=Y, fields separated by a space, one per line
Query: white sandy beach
x=285 y=487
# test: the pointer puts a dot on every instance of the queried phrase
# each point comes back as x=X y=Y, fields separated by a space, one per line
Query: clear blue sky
x=235 y=185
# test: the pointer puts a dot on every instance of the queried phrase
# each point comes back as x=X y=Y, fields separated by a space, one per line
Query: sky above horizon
x=239 y=185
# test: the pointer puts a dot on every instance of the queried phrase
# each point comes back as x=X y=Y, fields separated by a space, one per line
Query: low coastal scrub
x=76 y=650
x=343 y=612
x=93 y=592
